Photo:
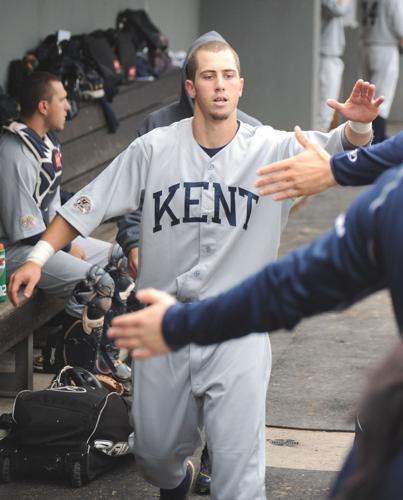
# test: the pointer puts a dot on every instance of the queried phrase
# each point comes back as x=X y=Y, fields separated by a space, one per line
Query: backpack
x=98 y=48
x=18 y=70
x=66 y=59
x=126 y=51
x=142 y=28
x=75 y=428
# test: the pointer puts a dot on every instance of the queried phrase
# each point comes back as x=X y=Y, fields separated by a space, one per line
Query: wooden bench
x=87 y=149
x=16 y=340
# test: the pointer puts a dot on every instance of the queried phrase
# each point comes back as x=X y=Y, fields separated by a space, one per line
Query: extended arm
x=313 y=170
x=309 y=172
x=360 y=256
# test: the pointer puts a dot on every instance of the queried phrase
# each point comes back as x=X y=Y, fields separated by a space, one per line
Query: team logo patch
x=352 y=155
x=27 y=221
x=57 y=159
x=83 y=204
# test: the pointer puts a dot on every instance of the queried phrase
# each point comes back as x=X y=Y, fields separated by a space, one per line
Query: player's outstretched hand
x=304 y=174
x=141 y=332
x=28 y=274
x=361 y=106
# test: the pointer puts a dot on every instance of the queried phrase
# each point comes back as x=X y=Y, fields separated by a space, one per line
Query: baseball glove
x=110 y=383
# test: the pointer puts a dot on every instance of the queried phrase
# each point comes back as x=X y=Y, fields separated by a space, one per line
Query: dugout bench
x=87 y=148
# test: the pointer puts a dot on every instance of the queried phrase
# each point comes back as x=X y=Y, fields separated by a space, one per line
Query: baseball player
x=129 y=225
x=332 y=43
x=31 y=168
x=382 y=32
x=203 y=229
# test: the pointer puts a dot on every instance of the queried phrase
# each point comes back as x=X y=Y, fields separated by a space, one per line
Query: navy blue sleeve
x=363 y=165
x=361 y=255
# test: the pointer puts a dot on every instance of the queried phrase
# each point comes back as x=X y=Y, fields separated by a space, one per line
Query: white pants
x=381 y=67
x=330 y=78
x=222 y=387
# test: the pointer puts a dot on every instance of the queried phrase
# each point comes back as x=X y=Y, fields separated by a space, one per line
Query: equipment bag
x=127 y=54
x=143 y=29
x=99 y=49
x=75 y=428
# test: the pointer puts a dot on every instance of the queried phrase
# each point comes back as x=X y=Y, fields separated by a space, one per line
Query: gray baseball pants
x=221 y=387
x=63 y=271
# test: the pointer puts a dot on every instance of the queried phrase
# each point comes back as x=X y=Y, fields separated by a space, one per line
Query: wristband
x=360 y=128
x=41 y=253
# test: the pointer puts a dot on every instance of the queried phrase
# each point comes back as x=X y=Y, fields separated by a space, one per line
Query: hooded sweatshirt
x=128 y=235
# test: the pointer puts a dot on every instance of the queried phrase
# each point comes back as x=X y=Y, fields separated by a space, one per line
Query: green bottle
x=3 y=283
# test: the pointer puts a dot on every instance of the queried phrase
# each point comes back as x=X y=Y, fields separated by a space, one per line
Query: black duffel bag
x=76 y=428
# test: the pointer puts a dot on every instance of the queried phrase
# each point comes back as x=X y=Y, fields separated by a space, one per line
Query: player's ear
x=43 y=106
x=241 y=83
x=190 y=89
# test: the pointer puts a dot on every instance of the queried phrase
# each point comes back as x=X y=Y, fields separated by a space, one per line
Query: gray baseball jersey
x=203 y=213
x=382 y=27
x=21 y=215
x=203 y=229
x=382 y=22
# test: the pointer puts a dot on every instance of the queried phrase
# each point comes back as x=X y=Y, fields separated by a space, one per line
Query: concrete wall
x=277 y=41
x=23 y=23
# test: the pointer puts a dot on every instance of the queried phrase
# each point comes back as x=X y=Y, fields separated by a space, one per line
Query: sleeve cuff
x=170 y=327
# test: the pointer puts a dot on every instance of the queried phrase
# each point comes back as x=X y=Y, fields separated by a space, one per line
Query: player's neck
x=36 y=124
x=211 y=133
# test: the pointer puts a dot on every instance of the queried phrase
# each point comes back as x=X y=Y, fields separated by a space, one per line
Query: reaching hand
x=28 y=274
x=361 y=105
x=306 y=173
x=141 y=332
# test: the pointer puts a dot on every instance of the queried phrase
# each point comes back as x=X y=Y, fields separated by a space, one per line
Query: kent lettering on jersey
x=240 y=201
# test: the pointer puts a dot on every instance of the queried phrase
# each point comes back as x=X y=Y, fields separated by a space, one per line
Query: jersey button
x=196 y=274
x=211 y=178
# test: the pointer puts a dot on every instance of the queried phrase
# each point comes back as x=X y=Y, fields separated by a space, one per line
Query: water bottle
x=3 y=283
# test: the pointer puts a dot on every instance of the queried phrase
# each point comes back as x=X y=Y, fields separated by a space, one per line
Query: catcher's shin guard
x=83 y=339
x=117 y=267
x=108 y=362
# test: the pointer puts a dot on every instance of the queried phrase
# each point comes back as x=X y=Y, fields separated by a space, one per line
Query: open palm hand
x=361 y=106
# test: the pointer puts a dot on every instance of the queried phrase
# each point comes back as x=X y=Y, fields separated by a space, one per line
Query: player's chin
x=219 y=116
